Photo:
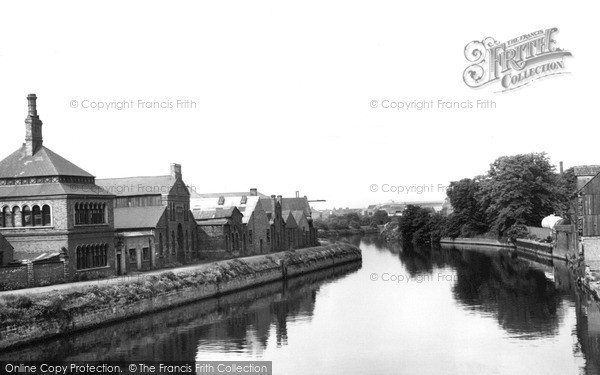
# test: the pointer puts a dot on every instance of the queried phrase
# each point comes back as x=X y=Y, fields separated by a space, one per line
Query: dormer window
x=221 y=200
x=244 y=199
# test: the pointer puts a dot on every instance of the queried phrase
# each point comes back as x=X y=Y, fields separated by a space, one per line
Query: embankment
x=27 y=318
x=476 y=242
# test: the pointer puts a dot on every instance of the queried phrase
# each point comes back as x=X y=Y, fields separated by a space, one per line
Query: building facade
x=168 y=235
x=222 y=233
x=255 y=220
x=50 y=206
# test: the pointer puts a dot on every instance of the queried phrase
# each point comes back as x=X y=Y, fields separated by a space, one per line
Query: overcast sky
x=283 y=91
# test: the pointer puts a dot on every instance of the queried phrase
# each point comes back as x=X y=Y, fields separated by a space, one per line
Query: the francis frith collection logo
x=514 y=63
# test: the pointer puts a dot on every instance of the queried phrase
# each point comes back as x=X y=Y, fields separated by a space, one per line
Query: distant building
x=222 y=233
x=255 y=220
x=169 y=235
x=49 y=206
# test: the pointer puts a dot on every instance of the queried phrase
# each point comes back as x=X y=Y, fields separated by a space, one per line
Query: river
x=403 y=311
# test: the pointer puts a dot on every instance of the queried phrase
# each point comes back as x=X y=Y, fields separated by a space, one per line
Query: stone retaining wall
x=234 y=274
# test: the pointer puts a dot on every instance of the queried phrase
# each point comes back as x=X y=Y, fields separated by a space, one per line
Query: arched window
x=46 y=216
x=6 y=217
x=160 y=244
x=37 y=216
x=16 y=216
x=26 y=216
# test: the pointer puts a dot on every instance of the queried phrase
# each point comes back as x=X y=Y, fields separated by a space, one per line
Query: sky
x=279 y=94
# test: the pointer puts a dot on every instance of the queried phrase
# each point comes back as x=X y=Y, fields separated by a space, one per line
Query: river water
x=403 y=311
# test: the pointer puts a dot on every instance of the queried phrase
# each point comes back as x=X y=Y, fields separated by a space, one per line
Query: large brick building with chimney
x=49 y=207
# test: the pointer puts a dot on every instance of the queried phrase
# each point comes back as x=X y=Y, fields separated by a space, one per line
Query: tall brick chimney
x=33 y=127
x=253 y=192
x=175 y=170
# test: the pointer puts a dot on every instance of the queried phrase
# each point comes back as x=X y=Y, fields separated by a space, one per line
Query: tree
x=380 y=217
x=519 y=190
x=468 y=218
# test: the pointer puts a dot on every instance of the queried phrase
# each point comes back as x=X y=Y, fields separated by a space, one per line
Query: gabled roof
x=267 y=204
x=138 y=217
x=296 y=204
x=43 y=163
x=298 y=214
x=288 y=218
x=142 y=185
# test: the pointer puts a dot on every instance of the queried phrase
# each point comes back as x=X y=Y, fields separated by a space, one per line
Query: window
x=37 y=216
x=160 y=244
x=92 y=256
x=244 y=199
x=132 y=256
x=46 y=216
x=6 y=217
x=268 y=236
x=26 y=216
x=89 y=213
x=250 y=236
x=146 y=254
x=221 y=200
x=16 y=217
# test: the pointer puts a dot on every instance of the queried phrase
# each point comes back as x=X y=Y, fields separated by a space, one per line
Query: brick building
x=48 y=205
x=6 y=251
x=297 y=205
x=222 y=232
x=166 y=234
x=276 y=235
x=587 y=215
x=255 y=220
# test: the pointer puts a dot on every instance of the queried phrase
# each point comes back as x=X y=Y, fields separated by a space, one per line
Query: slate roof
x=289 y=204
x=586 y=170
x=226 y=195
x=222 y=213
x=51 y=189
x=212 y=222
x=290 y=220
x=138 y=217
x=298 y=215
x=142 y=185
x=44 y=162
x=211 y=203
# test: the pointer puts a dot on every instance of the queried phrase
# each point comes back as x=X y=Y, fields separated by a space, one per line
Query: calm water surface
x=404 y=311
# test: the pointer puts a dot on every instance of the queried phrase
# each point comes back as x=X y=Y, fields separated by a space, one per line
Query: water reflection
x=238 y=322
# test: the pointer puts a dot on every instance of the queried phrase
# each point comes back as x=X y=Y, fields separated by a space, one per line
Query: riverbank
x=477 y=242
x=346 y=232
x=29 y=317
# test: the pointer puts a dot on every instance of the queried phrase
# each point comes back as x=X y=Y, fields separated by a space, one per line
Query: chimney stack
x=253 y=192
x=33 y=127
x=561 y=167
x=176 y=171
x=297 y=194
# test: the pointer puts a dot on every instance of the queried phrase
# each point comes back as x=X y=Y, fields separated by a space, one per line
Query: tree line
x=517 y=191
